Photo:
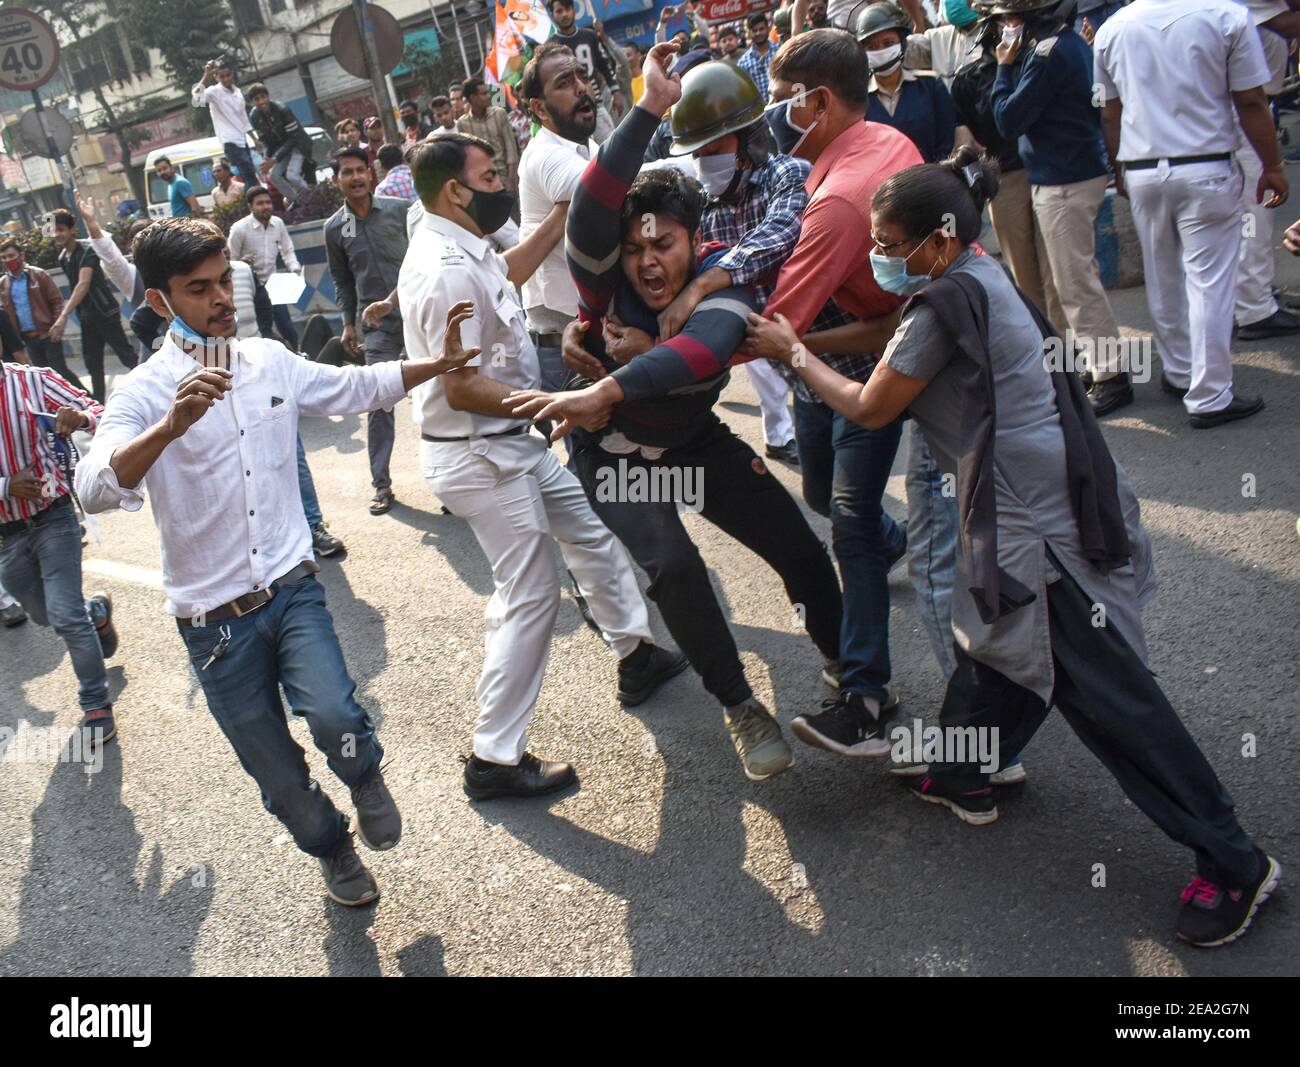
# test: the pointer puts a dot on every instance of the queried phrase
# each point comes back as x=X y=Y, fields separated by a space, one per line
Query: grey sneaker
x=379 y=823
x=346 y=879
x=757 y=737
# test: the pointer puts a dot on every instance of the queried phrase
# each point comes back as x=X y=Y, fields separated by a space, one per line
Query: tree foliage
x=187 y=33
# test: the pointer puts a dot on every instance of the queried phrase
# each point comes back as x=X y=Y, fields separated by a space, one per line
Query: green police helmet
x=875 y=18
x=718 y=98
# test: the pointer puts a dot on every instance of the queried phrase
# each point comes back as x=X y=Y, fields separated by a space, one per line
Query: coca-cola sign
x=725 y=10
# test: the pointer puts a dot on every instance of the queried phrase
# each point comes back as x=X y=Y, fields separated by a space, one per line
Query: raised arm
x=594 y=233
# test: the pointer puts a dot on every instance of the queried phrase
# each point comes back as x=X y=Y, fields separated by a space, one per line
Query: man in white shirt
x=1173 y=74
x=559 y=95
x=225 y=103
x=483 y=462
x=258 y=239
x=209 y=424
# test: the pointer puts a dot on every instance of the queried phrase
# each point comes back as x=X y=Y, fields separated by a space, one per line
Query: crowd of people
x=803 y=195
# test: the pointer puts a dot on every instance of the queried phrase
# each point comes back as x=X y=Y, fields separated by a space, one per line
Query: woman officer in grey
x=1054 y=564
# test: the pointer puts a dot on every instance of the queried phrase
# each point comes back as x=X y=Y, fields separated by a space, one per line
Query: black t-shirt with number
x=584 y=44
x=99 y=302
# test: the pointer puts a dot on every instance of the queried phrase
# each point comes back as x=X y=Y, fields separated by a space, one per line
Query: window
x=276 y=6
x=98 y=59
x=248 y=14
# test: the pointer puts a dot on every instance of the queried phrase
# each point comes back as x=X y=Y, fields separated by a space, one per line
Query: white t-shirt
x=549 y=172
x=1174 y=65
x=229 y=117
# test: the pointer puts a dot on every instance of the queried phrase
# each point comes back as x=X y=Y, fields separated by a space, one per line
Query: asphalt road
x=667 y=860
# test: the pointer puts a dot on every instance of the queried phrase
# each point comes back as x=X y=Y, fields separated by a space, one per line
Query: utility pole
x=378 y=82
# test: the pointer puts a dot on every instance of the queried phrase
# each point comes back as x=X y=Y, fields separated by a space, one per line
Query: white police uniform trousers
x=773 y=392
x=1255 y=264
x=1188 y=220
x=520 y=501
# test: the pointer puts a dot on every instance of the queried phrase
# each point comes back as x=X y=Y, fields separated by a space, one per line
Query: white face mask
x=883 y=60
x=716 y=172
x=1011 y=34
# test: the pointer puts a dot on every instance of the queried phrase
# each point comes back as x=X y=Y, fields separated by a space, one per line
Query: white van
x=194 y=159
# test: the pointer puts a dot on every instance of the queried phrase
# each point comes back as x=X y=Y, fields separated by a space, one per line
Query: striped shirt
x=25 y=391
x=593 y=242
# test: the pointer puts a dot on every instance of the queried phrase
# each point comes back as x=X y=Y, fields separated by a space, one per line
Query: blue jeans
x=290 y=643
x=845 y=468
x=242 y=160
x=41 y=567
x=284 y=325
x=931 y=547
x=307 y=488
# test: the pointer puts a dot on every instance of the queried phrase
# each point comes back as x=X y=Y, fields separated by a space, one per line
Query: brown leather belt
x=242 y=605
x=18 y=525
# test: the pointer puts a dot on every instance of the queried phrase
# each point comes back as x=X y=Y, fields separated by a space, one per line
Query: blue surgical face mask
x=787 y=134
x=215 y=349
x=892 y=275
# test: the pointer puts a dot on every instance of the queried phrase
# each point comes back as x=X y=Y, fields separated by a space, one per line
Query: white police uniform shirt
x=444 y=264
x=225 y=495
x=1174 y=65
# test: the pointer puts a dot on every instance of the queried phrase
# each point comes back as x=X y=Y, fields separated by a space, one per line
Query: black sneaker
x=323 y=542
x=846 y=726
x=1110 y=395
x=346 y=879
x=100 y=609
x=637 y=681
x=1213 y=915
x=529 y=778
x=13 y=615
x=974 y=806
x=899 y=550
x=379 y=823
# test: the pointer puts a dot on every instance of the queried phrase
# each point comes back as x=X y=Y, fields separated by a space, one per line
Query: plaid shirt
x=758 y=66
x=855 y=365
x=761 y=231
x=24 y=391
x=397 y=182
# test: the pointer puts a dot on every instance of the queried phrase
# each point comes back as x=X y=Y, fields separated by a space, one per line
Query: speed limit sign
x=29 y=51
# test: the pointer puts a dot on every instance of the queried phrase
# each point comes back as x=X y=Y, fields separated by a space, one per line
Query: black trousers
x=95 y=334
x=46 y=353
x=740 y=497
x=1112 y=701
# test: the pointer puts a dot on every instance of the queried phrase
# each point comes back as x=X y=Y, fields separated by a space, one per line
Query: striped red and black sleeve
x=593 y=234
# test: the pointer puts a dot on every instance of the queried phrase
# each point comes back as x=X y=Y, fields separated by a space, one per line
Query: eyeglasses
x=884 y=249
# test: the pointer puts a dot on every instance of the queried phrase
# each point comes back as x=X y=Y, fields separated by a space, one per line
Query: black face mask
x=410 y=120
x=490 y=210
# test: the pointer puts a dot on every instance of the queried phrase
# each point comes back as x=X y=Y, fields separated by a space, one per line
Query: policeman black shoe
x=1279 y=324
x=1213 y=915
x=973 y=806
x=786 y=453
x=13 y=615
x=1110 y=395
x=846 y=726
x=645 y=670
x=346 y=879
x=379 y=823
x=100 y=609
x=530 y=777
x=1242 y=407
